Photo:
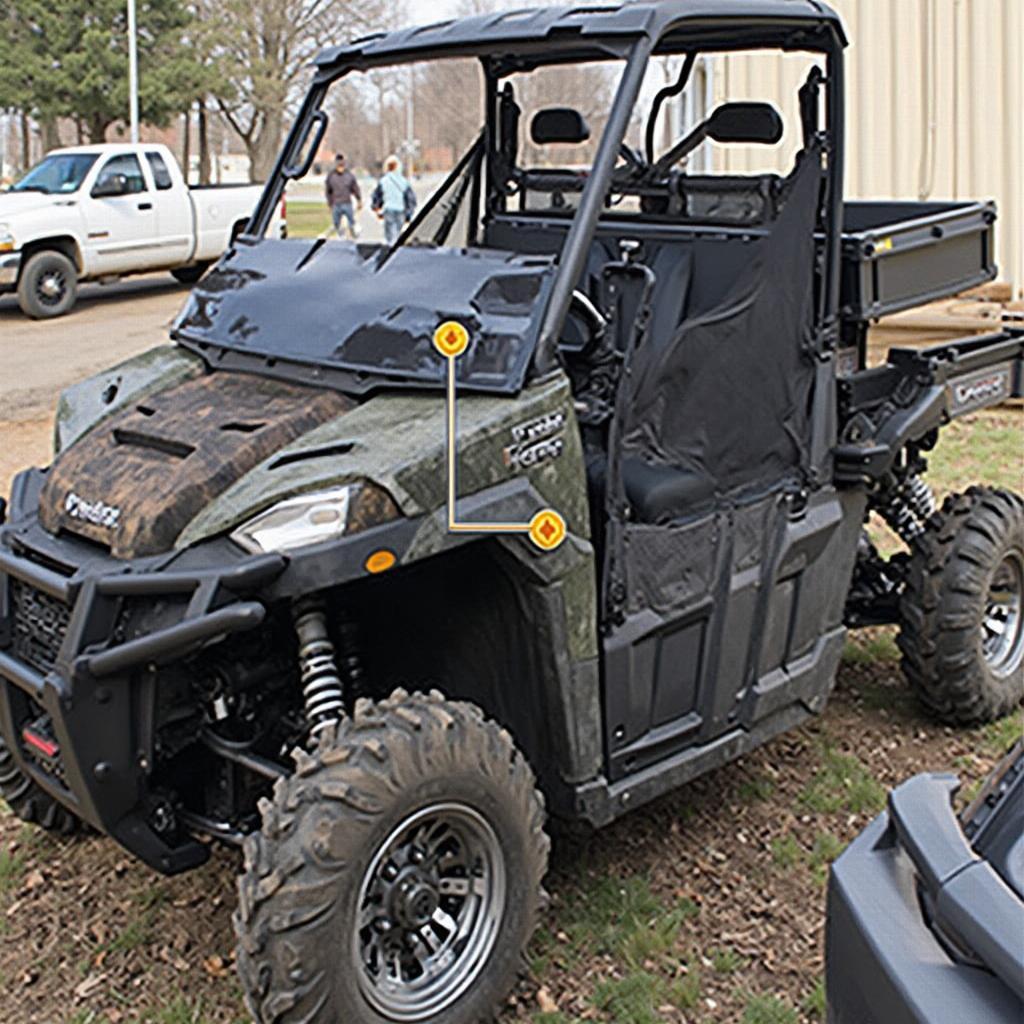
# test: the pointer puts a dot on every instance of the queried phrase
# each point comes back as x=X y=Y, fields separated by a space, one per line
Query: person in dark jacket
x=343 y=197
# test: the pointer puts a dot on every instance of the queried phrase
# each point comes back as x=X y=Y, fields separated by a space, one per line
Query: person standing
x=343 y=197
x=393 y=200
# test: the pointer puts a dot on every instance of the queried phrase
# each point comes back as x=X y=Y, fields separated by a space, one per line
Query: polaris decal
x=986 y=387
x=533 y=430
x=536 y=441
x=98 y=513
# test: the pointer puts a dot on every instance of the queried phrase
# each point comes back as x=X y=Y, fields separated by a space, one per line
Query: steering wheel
x=584 y=328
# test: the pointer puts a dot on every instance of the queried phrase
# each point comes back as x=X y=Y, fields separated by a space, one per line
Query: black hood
x=346 y=316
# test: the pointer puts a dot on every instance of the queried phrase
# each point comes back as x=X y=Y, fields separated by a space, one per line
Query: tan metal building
x=935 y=105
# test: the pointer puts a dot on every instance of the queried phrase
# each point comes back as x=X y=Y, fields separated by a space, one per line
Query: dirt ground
x=707 y=906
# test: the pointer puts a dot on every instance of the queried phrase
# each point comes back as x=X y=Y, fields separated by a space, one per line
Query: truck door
x=173 y=213
x=120 y=218
x=727 y=550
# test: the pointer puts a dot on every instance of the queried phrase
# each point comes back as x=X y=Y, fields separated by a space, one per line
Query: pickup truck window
x=58 y=173
x=129 y=166
x=161 y=175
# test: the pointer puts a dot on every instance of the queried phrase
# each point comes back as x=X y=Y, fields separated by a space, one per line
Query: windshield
x=393 y=194
x=58 y=174
x=402 y=157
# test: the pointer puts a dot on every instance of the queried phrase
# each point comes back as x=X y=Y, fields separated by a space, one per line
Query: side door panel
x=174 y=228
x=121 y=230
x=723 y=549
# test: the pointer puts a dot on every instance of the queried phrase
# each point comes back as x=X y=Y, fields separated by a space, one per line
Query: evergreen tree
x=70 y=59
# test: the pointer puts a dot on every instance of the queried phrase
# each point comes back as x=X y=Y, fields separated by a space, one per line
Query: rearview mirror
x=745 y=122
x=110 y=186
x=559 y=124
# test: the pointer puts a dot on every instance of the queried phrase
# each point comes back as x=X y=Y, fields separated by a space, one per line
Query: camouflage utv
x=279 y=587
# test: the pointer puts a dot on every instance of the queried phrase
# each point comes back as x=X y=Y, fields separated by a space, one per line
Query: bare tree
x=264 y=48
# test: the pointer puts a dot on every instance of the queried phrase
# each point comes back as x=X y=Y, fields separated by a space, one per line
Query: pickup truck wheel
x=962 y=610
x=190 y=275
x=48 y=285
x=29 y=802
x=397 y=876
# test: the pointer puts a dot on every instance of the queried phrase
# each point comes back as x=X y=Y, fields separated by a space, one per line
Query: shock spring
x=322 y=688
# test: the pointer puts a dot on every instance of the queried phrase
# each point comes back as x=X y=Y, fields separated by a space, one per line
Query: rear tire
x=30 y=803
x=962 y=610
x=398 y=872
x=190 y=275
x=47 y=285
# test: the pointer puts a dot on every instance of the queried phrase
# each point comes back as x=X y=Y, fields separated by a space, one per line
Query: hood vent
x=137 y=480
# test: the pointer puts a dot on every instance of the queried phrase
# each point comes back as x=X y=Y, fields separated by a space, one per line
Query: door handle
x=145 y=206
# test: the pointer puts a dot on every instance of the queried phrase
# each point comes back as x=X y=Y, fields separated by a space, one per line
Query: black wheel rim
x=51 y=287
x=430 y=910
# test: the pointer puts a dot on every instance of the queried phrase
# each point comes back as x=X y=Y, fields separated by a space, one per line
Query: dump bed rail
x=915 y=392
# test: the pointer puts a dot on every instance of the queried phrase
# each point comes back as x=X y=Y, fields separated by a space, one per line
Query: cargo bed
x=902 y=254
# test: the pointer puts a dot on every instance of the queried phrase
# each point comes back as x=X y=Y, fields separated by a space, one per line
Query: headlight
x=315 y=518
x=6 y=238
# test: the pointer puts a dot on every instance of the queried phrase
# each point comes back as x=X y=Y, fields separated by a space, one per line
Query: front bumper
x=907 y=880
x=10 y=267
x=93 y=682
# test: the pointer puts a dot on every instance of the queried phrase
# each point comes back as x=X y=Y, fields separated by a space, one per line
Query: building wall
x=935 y=105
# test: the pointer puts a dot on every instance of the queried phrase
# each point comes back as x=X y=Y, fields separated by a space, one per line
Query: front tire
x=29 y=802
x=47 y=285
x=190 y=275
x=962 y=610
x=397 y=876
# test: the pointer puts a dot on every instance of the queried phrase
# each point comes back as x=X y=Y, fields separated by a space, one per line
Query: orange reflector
x=381 y=561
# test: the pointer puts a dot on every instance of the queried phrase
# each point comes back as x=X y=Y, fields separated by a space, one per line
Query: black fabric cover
x=725 y=397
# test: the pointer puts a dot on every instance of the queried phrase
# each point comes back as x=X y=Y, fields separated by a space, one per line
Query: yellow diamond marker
x=547 y=529
x=451 y=339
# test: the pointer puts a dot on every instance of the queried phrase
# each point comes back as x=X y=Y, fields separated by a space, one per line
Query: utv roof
x=567 y=33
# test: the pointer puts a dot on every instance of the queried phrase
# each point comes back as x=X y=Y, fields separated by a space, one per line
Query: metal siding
x=935 y=106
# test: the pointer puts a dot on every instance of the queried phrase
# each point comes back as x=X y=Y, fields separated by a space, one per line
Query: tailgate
x=897 y=255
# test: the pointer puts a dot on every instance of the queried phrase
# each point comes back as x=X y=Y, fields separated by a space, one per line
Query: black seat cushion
x=656 y=494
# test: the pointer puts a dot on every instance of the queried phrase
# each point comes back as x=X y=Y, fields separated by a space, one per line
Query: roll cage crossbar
x=517 y=41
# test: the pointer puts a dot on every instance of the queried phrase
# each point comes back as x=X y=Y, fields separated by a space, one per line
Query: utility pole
x=133 y=71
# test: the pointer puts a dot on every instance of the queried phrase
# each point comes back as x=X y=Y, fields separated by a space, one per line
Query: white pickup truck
x=102 y=212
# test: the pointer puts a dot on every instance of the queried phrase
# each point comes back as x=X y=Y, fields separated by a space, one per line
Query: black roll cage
x=654 y=36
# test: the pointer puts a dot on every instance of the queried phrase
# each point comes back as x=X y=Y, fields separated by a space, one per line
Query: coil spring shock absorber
x=322 y=689
x=907 y=506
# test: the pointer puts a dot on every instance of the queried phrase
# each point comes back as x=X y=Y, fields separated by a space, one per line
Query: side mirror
x=559 y=124
x=111 y=186
x=745 y=122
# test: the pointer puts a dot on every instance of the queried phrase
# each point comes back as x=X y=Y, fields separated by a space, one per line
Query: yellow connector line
x=547 y=528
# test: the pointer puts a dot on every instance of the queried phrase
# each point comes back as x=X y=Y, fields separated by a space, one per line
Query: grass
x=984 y=446
x=814 y=1003
x=633 y=999
x=786 y=851
x=996 y=738
x=726 y=961
x=620 y=917
x=180 y=1011
x=825 y=850
x=12 y=870
x=843 y=783
x=755 y=788
x=308 y=220
x=768 y=1010
x=871 y=646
